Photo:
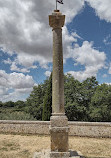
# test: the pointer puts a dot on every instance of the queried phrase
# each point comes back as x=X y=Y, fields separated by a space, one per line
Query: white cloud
x=3 y=91
x=14 y=96
x=108 y=84
x=105 y=75
x=25 y=28
x=102 y=8
x=24 y=90
x=92 y=59
x=18 y=82
x=67 y=42
x=47 y=73
x=15 y=68
x=88 y=56
x=25 y=31
x=107 y=40
x=74 y=34
x=8 y=61
x=109 y=71
x=16 y=64
x=28 y=60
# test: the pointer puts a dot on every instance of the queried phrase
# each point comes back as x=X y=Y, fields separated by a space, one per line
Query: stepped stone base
x=59 y=155
x=48 y=154
x=59 y=134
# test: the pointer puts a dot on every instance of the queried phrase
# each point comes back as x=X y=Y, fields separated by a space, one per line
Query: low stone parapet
x=90 y=129
x=83 y=129
x=24 y=127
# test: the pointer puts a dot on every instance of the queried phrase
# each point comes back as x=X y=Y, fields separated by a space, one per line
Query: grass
x=24 y=146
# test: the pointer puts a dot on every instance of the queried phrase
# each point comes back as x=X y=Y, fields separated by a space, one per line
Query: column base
x=59 y=133
x=59 y=154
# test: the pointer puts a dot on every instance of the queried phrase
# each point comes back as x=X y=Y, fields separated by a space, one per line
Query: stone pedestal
x=59 y=122
x=59 y=136
x=59 y=133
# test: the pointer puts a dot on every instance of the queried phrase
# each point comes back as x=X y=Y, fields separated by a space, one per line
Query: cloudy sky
x=26 y=43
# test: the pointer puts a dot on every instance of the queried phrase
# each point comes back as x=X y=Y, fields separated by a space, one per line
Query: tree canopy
x=84 y=101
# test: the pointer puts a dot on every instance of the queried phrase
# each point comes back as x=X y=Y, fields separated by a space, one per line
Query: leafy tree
x=1 y=104
x=16 y=116
x=71 y=89
x=100 y=106
x=9 y=104
x=34 y=102
x=78 y=97
x=75 y=112
x=19 y=104
x=47 y=104
x=73 y=107
x=87 y=90
x=84 y=101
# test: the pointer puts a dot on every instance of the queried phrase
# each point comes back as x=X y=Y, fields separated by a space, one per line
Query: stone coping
x=87 y=129
x=23 y=122
x=108 y=124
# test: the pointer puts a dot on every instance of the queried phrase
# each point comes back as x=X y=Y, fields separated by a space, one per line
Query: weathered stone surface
x=87 y=129
x=56 y=20
x=47 y=154
x=59 y=154
x=57 y=75
x=59 y=122
x=59 y=133
x=22 y=127
x=59 y=139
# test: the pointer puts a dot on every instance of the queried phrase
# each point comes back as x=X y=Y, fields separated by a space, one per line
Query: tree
x=100 y=106
x=84 y=101
x=34 y=103
x=9 y=104
x=1 y=104
x=87 y=90
x=78 y=97
x=15 y=115
x=71 y=89
x=75 y=112
x=47 y=104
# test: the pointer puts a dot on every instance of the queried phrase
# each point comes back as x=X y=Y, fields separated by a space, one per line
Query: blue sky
x=26 y=43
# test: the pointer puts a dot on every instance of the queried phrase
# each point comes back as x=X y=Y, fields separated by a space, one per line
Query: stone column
x=59 y=122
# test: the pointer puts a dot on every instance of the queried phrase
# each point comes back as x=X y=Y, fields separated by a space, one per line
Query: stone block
x=59 y=155
x=59 y=120
x=59 y=139
x=56 y=20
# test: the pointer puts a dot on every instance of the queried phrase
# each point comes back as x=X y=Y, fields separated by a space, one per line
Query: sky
x=26 y=43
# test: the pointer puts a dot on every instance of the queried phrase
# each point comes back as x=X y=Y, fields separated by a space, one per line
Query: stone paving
x=46 y=154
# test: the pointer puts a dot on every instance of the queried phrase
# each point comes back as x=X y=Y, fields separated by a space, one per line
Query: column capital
x=56 y=20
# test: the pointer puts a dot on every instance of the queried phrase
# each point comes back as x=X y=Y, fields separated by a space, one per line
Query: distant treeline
x=84 y=101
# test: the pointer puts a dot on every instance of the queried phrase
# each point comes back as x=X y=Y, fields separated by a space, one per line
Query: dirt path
x=19 y=146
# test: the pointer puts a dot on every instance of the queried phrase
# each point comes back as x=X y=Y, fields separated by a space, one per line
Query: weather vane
x=59 y=1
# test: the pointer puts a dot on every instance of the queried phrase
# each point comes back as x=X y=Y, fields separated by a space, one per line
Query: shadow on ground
x=76 y=154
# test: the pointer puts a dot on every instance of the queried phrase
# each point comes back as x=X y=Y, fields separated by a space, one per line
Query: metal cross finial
x=59 y=1
x=56 y=4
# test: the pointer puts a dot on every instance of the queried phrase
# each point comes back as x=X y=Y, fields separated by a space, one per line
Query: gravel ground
x=25 y=146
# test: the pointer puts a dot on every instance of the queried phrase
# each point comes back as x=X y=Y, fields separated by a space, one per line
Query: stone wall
x=28 y=127
x=88 y=129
